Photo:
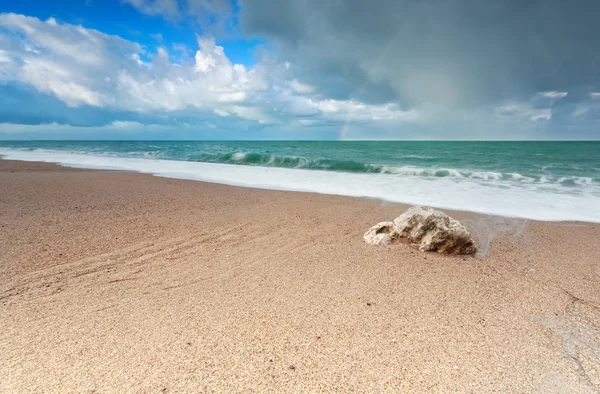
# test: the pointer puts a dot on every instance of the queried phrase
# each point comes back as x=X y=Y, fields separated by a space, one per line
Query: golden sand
x=121 y=282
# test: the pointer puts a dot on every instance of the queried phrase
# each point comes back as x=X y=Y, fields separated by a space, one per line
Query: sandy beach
x=123 y=282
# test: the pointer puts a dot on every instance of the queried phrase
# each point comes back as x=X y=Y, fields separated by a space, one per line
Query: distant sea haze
x=534 y=180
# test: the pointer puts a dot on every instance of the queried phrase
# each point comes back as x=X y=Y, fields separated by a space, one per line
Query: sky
x=300 y=69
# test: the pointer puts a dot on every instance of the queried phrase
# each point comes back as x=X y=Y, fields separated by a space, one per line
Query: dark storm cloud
x=458 y=53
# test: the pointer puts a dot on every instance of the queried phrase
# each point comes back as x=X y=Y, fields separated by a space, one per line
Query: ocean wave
x=551 y=201
x=501 y=179
x=268 y=160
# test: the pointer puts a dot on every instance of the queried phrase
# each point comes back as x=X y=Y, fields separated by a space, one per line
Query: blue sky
x=303 y=69
x=125 y=20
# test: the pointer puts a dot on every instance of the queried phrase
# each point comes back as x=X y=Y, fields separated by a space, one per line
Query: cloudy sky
x=300 y=69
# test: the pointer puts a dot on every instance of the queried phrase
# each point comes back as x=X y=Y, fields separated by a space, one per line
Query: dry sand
x=120 y=282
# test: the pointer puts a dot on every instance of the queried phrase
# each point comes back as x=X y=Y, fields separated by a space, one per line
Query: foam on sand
x=526 y=200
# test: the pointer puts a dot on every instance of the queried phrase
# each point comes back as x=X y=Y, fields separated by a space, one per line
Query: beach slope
x=122 y=282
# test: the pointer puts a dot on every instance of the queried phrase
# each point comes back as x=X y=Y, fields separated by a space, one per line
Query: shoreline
x=450 y=211
x=119 y=281
x=466 y=196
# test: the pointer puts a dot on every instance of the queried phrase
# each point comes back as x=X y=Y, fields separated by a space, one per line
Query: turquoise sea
x=538 y=180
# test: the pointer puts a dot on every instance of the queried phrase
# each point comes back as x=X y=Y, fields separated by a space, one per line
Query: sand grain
x=120 y=282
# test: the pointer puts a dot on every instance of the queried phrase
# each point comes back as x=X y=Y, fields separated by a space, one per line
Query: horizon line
x=302 y=140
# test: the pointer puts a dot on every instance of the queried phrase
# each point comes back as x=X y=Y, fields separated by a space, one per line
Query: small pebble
x=292 y=366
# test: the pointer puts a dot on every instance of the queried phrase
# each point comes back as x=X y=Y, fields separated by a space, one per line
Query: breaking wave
x=507 y=194
x=266 y=160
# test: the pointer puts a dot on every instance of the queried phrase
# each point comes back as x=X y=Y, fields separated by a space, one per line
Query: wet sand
x=122 y=282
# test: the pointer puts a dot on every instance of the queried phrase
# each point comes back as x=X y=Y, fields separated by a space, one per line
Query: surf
x=553 y=201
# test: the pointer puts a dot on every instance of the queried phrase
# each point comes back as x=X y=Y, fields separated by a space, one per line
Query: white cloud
x=118 y=124
x=181 y=48
x=83 y=66
x=553 y=94
x=61 y=59
x=543 y=114
x=208 y=13
x=585 y=107
x=54 y=128
x=50 y=77
x=357 y=111
x=307 y=122
x=4 y=58
x=167 y=8
x=299 y=87
x=220 y=112
x=524 y=110
x=539 y=107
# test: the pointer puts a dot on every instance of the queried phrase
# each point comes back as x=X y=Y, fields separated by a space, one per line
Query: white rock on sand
x=380 y=234
x=425 y=228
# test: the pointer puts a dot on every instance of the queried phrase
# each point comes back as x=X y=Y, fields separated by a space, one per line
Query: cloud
x=85 y=68
x=11 y=128
x=82 y=66
x=460 y=54
x=167 y=8
x=216 y=16
x=300 y=87
x=65 y=60
x=524 y=110
x=158 y=37
x=410 y=70
x=553 y=94
x=589 y=109
x=136 y=130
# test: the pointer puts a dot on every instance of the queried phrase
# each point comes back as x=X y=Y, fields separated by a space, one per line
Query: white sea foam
x=524 y=200
x=238 y=156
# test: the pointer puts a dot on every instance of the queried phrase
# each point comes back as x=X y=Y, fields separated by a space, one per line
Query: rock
x=433 y=230
x=380 y=234
x=425 y=228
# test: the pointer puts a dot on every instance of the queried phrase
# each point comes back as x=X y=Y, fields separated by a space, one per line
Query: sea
x=558 y=181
